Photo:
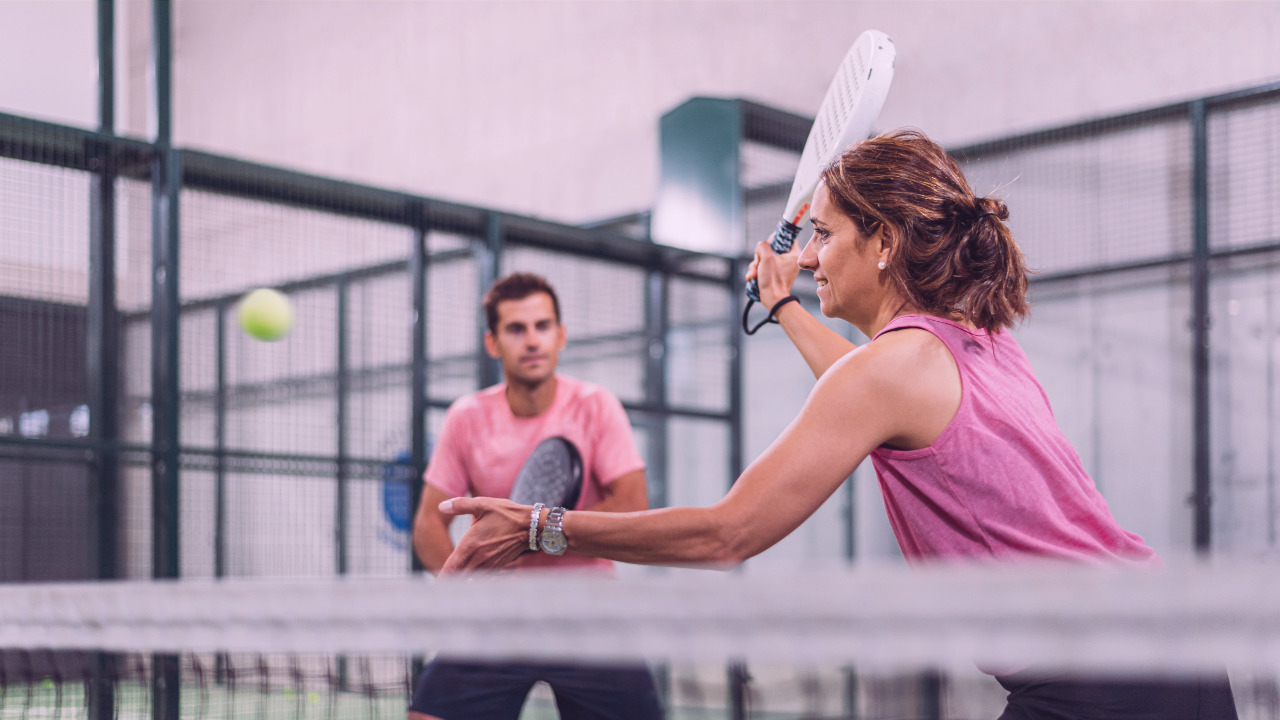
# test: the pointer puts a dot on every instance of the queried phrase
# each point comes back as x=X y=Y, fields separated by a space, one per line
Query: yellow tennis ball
x=265 y=314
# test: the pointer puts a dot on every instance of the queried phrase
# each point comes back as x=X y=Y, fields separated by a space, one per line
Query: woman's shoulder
x=894 y=356
x=905 y=366
x=908 y=345
x=933 y=324
x=903 y=388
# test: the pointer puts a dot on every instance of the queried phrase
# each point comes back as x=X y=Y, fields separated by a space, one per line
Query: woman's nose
x=807 y=259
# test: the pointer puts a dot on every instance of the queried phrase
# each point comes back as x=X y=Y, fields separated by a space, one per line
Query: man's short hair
x=516 y=286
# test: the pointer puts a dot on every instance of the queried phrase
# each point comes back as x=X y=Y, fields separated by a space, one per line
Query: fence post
x=103 y=358
x=166 y=188
x=1202 y=494
x=489 y=263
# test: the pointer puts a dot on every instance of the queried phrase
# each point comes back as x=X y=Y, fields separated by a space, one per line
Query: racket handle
x=783 y=238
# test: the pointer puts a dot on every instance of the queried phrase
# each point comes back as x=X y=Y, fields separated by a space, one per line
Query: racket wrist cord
x=772 y=318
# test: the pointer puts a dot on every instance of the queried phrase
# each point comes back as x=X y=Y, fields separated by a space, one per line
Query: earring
x=880 y=264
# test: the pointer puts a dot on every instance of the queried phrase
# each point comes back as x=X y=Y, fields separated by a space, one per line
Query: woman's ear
x=884 y=244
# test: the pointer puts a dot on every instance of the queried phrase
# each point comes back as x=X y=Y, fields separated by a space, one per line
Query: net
x=866 y=642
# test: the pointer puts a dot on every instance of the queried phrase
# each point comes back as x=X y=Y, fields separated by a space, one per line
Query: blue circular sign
x=396 y=478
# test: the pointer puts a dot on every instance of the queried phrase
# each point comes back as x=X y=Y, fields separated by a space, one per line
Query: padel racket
x=551 y=475
x=847 y=115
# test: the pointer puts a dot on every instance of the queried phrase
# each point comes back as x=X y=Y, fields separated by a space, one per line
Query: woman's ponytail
x=996 y=294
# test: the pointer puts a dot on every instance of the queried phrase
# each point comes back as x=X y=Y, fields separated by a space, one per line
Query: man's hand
x=499 y=533
x=775 y=273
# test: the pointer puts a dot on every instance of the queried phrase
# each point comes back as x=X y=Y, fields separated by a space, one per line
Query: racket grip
x=783 y=238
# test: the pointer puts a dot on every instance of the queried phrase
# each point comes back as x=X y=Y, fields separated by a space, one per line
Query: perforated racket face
x=552 y=475
x=838 y=105
x=847 y=114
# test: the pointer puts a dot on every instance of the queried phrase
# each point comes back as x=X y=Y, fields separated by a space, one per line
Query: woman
x=970 y=460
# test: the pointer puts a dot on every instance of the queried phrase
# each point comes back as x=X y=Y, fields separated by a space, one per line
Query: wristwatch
x=553 y=541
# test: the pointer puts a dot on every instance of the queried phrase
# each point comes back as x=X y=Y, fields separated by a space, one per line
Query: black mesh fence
x=1154 y=240
x=295 y=457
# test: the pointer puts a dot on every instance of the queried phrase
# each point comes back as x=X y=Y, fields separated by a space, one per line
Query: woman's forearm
x=818 y=344
x=775 y=493
x=666 y=536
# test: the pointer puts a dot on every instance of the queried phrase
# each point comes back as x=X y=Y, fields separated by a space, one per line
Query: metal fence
x=1156 y=328
x=149 y=437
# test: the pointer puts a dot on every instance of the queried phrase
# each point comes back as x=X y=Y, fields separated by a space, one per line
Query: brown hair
x=951 y=253
x=516 y=286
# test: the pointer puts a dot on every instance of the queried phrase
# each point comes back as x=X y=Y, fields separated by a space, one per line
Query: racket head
x=847 y=115
x=552 y=475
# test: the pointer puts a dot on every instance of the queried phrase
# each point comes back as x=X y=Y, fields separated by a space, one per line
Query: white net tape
x=1188 y=617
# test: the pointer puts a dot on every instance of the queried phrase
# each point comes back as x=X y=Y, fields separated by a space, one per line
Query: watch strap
x=555 y=519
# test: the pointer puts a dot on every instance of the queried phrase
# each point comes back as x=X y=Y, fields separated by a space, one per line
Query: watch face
x=553 y=542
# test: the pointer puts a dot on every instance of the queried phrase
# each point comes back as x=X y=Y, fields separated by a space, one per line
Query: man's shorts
x=457 y=690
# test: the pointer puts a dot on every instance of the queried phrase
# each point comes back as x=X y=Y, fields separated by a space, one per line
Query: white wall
x=49 y=56
x=551 y=108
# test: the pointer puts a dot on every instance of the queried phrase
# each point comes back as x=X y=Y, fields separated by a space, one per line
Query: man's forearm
x=433 y=546
x=627 y=493
x=619 y=504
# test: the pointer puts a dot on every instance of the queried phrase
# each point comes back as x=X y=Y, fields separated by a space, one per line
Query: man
x=485 y=439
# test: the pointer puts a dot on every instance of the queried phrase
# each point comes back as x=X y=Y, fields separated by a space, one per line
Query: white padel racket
x=847 y=115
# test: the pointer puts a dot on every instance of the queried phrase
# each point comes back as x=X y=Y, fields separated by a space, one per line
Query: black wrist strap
x=772 y=318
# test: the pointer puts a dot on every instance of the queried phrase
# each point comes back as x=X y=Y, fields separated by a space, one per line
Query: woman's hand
x=499 y=533
x=775 y=273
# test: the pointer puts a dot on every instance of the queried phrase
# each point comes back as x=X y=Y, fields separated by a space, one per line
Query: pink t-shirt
x=482 y=447
x=1001 y=481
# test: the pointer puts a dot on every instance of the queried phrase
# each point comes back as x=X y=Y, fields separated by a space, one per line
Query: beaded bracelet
x=533 y=526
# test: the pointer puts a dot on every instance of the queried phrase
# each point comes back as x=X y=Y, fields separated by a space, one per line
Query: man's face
x=527 y=340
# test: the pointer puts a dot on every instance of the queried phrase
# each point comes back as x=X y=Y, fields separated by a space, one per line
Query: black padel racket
x=551 y=475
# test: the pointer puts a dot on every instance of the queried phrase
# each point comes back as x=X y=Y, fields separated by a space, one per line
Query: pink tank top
x=1001 y=481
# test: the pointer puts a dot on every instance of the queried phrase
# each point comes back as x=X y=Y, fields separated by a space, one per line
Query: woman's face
x=843 y=262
